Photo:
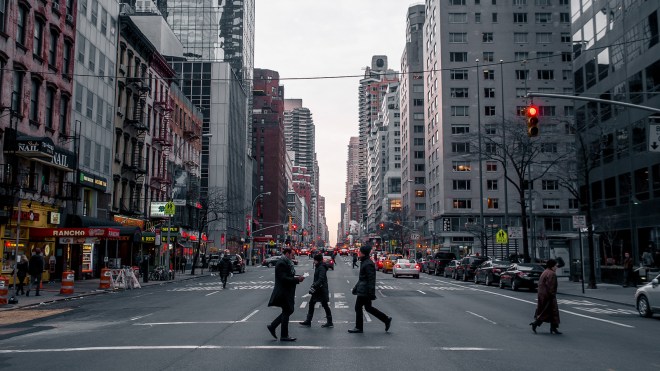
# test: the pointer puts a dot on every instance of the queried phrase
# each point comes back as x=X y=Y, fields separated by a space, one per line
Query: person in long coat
x=321 y=293
x=21 y=273
x=36 y=269
x=284 y=293
x=365 y=289
x=224 y=268
x=546 y=307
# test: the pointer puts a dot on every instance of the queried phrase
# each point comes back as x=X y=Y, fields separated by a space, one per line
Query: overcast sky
x=310 y=38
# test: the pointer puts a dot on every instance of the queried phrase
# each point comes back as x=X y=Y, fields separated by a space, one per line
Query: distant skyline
x=310 y=39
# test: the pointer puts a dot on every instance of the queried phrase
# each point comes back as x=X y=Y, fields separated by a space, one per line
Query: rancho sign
x=74 y=232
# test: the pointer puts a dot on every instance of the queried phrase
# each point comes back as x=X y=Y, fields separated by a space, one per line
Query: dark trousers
x=324 y=304
x=282 y=319
x=363 y=301
x=21 y=283
x=35 y=281
x=629 y=277
x=223 y=278
x=354 y=264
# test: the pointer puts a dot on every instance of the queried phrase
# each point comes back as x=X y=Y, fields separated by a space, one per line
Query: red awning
x=74 y=232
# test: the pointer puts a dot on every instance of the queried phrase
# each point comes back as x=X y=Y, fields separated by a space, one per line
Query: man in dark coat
x=546 y=307
x=320 y=293
x=224 y=268
x=284 y=294
x=21 y=272
x=35 y=269
x=628 y=272
x=355 y=259
x=365 y=289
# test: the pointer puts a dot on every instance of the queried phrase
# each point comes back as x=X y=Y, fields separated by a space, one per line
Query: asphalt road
x=438 y=324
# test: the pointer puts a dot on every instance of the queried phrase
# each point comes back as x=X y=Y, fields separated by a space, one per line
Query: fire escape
x=135 y=164
x=162 y=179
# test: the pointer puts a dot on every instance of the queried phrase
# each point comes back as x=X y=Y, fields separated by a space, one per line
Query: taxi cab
x=390 y=260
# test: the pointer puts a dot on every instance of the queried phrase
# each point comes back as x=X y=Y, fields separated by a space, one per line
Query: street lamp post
x=250 y=226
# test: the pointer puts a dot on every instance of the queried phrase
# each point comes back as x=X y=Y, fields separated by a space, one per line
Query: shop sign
x=75 y=232
x=131 y=222
x=148 y=239
x=169 y=229
x=35 y=147
x=92 y=181
x=26 y=215
x=158 y=209
x=54 y=217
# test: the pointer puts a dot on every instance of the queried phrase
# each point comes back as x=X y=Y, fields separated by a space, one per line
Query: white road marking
x=139 y=296
x=423 y=293
x=482 y=317
x=341 y=305
x=347 y=281
x=339 y=295
x=138 y=317
x=466 y=348
x=186 y=347
x=303 y=305
x=366 y=315
x=249 y=315
x=214 y=292
x=185 y=323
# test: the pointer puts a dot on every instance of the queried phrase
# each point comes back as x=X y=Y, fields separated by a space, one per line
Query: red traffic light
x=532 y=121
x=532 y=111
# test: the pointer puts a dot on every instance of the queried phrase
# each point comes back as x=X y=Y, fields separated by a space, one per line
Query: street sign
x=501 y=237
x=654 y=138
x=579 y=221
x=414 y=236
x=170 y=208
x=515 y=233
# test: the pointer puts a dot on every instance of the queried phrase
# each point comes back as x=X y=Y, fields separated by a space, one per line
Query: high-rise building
x=616 y=57
x=351 y=207
x=480 y=62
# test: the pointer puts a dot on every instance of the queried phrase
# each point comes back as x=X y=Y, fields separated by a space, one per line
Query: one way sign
x=654 y=138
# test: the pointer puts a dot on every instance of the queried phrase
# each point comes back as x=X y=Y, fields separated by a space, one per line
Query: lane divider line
x=482 y=317
x=249 y=315
x=138 y=317
x=214 y=292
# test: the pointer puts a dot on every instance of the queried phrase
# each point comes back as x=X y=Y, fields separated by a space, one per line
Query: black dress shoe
x=555 y=331
x=388 y=323
x=305 y=323
x=288 y=339
x=533 y=324
x=272 y=331
x=355 y=331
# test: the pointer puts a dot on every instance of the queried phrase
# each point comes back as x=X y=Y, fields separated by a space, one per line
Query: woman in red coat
x=546 y=306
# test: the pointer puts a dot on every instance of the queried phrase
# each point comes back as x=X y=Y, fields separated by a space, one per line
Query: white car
x=647 y=298
x=405 y=267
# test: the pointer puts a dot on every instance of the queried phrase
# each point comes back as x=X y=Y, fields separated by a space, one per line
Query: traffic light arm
x=589 y=99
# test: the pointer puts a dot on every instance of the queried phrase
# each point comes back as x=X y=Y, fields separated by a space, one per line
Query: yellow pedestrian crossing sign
x=170 y=209
x=501 y=237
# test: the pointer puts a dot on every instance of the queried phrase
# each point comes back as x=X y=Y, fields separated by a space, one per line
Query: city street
x=438 y=324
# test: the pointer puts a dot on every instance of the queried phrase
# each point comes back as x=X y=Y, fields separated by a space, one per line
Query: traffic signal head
x=532 y=121
x=382 y=226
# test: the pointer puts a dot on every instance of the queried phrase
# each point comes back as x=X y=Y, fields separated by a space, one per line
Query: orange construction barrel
x=4 y=289
x=67 y=283
x=106 y=279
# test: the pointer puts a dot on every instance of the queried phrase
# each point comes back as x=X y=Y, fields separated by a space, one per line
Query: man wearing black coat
x=365 y=289
x=320 y=293
x=224 y=268
x=284 y=294
x=36 y=269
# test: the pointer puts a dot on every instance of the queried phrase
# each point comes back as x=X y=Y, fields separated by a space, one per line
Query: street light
x=251 y=220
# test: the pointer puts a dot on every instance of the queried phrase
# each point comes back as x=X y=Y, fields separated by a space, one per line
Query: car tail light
x=398 y=266
x=521 y=274
x=496 y=270
x=417 y=266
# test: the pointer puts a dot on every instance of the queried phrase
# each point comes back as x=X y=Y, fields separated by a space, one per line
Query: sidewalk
x=604 y=291
x=51 y=291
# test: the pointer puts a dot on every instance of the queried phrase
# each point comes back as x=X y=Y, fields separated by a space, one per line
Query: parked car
x=489 y=271
x=465 y=271
x=647 y=298
x=329 y=261
x=237 y=263
x=439 y=261
x=388 y=263
x=272 y=261
x=379 y=263
x=521 y=275
x=423 y=264
x=450 y=269
x=405 y=267
x=213 y=261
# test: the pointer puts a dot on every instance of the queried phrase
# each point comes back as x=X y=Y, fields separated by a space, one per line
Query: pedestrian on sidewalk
x=365 y=289
x=320 y=293
x=547 y=309
x=284 y=294
x=224 y=268
x=647 y=258
x=184 y=261
x=628 y=273
x=355 y=259
x=36 y=269
x=21 y=273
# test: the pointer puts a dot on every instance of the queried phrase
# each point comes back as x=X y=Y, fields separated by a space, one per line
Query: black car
x=489 y=271
x=272 y=261
x=465 y=271
x=521 y=275
x=437 y=263
x=237 y=263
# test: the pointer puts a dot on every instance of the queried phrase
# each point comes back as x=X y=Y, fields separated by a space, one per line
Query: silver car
x=647 y=298
x=405 y=267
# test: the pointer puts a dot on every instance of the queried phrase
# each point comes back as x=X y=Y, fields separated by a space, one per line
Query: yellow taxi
x=388 y=263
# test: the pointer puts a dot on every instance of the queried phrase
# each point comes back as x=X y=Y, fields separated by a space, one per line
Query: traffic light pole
x=589 y=99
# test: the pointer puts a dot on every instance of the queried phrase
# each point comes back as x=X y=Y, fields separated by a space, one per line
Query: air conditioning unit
x=69 y=18
x=56 y=6
x=119 y=112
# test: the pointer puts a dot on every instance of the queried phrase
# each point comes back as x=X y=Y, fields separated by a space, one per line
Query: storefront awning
x=130 y=233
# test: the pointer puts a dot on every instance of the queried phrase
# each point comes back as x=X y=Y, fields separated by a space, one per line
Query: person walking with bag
x=546 y=304
x=284 y=294
x=320 y=293
x=21 y=273
x=35 y=269
x=224 y=268
x=365 y=289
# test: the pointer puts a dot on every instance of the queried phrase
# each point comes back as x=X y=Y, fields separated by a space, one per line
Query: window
x=567 y=57
x=552 y=224
x=108 y=116
x=487 y=37
x=66 y=58
x=78 y=97
x=52 y=48
x=520 y=37
x=87 y=157
x=50 y=102
x=550 y=204
x=522 y=74
x=521 y=56
x=460 y=129
x=92 y=57
x=547 y=111
x=21 y=23
x=3 y=16
x=111 y=72
x=494 y=17
x=546 y=74
x=490 y=129
x=97 y=157
x=491 y=166
x=104 y=21
x=489 y=110
x=564 y=18
x=89 y=112
x=34 y=101
x=461 y=185
x=565 y=37
x=458 y=92
x=81 y=48
x=38 y=42
x=457 y=17
x=82 y=5
x=460 y=147
x=519 y=2
x=542 y=2
x=460 y=110
x=543 y=17
x=420 y=206
x=458 y=37
x=549 y=148
x=544 y=57
x=573 y=203
x=458 y=74
x=488 y=56
x=489 y=92
x=100 y=104
x=490 y=148
x=489 y=74
x=101 y=66
x=493 y=203
x=462 y=203
x=456 y=2
x=543 y=37
x=64 y=107
x=95 y=12
x=461 y=166
x=519 y=17
x=477 y=17
x=458 y=56
x=491 y=184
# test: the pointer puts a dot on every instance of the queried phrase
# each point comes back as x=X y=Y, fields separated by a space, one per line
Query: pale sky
x=310 y=38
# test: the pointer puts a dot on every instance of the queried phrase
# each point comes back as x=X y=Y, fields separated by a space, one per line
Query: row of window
x=44 y=100
x=514 y=2
x=90 y=100
x=98 y=19
x=87 y=50
x=492 y=184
